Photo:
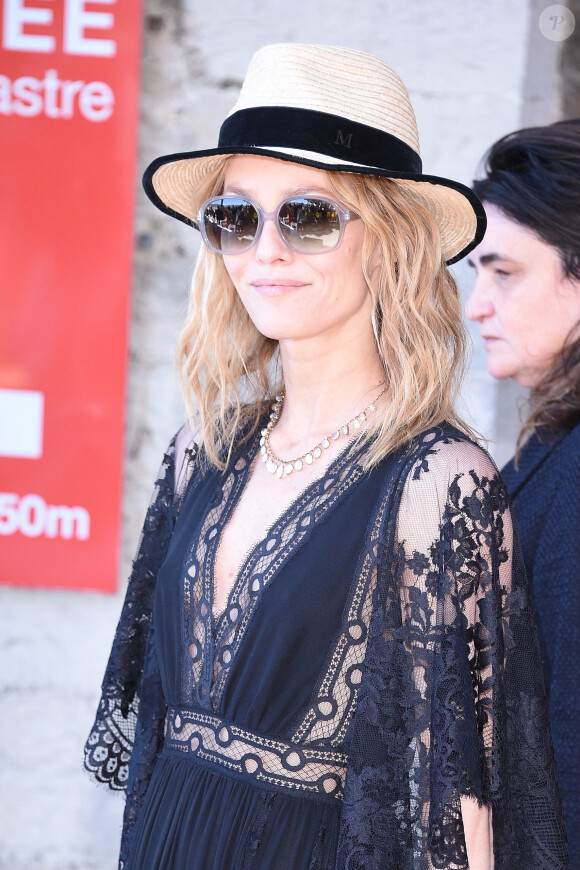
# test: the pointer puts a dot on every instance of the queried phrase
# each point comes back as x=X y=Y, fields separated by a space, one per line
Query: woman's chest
x=299 y=580
x=262 y=506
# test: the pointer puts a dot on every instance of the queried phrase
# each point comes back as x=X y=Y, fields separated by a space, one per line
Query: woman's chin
x=283 y=331
x=500 y=368
x=498 y=373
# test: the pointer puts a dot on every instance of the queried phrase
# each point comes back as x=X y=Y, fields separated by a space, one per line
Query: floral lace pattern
x=128 y=731
x=451 y=699
x=435 y=674
x=108 y=749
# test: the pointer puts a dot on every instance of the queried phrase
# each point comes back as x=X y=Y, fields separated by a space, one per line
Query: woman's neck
x=323 y=390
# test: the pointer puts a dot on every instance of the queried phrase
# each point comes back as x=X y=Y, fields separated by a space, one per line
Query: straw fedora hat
x=331 y=108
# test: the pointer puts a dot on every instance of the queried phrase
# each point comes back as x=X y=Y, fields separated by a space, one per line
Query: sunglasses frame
x=343 y=218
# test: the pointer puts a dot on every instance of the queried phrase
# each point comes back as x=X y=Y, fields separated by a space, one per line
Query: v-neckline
x=212 y=642
x=253 y=448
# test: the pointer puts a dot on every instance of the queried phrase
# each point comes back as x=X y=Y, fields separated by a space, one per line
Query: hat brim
x=171 y=183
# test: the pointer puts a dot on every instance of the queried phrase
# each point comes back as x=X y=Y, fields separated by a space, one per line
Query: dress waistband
x=285 y=765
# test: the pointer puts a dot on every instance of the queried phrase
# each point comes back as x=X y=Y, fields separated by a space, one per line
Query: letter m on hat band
x=341 y=139
x=318 y=132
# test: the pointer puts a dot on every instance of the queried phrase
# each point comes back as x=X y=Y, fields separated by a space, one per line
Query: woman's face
x=522 y=300
x=291 y=296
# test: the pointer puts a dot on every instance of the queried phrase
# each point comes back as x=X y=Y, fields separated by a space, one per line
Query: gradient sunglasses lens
x=308 y=225
x=229 y=224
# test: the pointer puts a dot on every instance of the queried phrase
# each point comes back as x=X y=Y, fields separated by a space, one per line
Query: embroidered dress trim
x=331 y=712
x=284 y=765
x=212 y=644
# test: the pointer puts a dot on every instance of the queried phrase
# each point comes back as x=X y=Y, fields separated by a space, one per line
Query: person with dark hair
x=327 y=658
x=526 y=299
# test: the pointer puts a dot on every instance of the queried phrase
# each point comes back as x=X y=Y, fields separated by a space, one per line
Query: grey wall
x=475 y=71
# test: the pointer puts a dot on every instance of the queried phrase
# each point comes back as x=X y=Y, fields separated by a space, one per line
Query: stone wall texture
x=475 y=71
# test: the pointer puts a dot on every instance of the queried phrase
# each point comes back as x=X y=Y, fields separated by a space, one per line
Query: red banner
x=69 y=94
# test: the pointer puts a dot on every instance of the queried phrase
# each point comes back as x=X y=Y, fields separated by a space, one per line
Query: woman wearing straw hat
x=526 y=299
x=326 y=658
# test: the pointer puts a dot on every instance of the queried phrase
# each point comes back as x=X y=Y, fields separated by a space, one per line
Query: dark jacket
x=545 y=490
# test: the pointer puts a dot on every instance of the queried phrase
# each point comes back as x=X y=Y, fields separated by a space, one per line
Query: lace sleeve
x=125 y=737
x=452 y=700
x=110 y=743
x=108 y=748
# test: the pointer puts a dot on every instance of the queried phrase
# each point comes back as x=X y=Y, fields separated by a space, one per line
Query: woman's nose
x=270 y=245
x=479 y=304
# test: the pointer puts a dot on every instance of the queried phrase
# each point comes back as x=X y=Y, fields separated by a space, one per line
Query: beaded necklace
x=283 y=467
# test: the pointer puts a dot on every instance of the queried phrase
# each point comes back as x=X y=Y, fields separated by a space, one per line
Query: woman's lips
x=276 y=286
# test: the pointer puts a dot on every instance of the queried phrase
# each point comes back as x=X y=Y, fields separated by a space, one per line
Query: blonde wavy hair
x=230 y=372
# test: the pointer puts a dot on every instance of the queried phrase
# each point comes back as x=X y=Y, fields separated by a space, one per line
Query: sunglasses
x=307 y=224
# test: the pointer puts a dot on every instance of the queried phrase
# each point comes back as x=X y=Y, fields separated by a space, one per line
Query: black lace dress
x=376 y=660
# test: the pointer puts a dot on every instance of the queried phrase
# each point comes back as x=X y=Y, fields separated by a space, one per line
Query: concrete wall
x=475 y=71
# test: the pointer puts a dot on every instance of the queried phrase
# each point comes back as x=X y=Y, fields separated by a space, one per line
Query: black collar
x=532 y=455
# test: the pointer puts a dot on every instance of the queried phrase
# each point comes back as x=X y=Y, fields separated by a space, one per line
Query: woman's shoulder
x=446 y=451
x=184 y=450
x=451 y=484
x=187 y=437
x=569 y=445
x=448 y=474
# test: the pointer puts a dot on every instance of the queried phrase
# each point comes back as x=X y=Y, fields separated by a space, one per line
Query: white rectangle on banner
x=21 y=423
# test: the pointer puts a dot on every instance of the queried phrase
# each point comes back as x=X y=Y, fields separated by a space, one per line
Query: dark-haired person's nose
x=271 y=246
x=479 y=305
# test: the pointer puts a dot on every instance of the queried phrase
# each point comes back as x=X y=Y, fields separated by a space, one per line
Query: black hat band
x=321 y=133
